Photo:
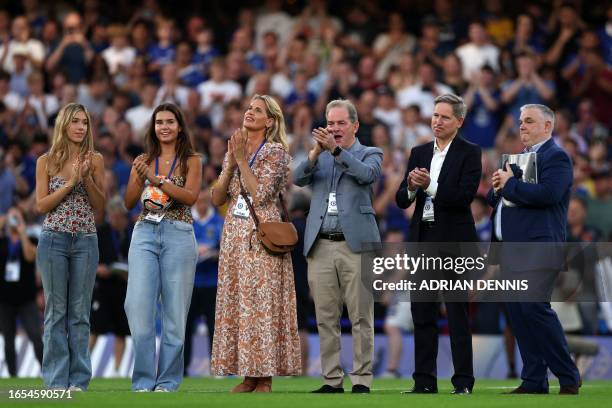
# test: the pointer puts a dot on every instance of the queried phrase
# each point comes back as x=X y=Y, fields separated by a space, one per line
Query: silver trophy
x=524 y=166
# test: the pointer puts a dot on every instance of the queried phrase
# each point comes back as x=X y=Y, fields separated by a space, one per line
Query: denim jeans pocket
x=182 y=226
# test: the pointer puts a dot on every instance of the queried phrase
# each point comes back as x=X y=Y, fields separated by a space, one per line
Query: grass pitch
x=295 y=392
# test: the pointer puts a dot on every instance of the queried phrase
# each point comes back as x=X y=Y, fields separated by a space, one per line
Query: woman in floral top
x=68 y=189
x=163 y=251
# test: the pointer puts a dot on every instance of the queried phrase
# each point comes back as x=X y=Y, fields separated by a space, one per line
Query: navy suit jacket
x=541 y=211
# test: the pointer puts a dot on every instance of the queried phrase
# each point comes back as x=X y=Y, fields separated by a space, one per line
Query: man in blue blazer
x=540 y=215
x=442 y=178
x=341 y=173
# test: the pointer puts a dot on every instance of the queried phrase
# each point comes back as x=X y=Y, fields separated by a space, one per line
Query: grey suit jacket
x=356 y=171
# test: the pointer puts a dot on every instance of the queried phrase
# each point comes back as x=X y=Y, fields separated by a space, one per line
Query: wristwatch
x=336 y=151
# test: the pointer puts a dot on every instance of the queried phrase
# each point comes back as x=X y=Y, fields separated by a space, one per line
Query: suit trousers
x=334 y=277
x=425 y=316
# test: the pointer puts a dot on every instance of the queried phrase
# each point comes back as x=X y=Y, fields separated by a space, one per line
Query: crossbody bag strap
x=284 y=216
x=248 y=202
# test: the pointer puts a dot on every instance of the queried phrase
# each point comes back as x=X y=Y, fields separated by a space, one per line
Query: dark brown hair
x=184 y=144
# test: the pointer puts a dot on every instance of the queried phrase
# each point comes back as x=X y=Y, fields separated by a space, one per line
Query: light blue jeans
x=67 y=264
x=161 y=263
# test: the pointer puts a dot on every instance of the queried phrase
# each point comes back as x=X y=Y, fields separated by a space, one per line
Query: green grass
x=295 y=392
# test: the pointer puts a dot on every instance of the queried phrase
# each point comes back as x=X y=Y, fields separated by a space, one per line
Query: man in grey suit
x=341 y=172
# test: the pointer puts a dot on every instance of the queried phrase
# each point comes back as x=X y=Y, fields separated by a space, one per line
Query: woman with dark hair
x=68 y=189
x=163 y=251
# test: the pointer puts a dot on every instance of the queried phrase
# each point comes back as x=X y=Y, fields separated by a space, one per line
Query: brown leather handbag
x=277 y=237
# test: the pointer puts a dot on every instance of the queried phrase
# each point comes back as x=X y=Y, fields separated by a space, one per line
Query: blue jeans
x=161 y=264
x=67 y=264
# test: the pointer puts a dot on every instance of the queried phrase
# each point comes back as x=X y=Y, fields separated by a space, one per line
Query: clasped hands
x=81 y=170
x=143 y=170
x=418 y=177
x=237 y=148
x=323 y=141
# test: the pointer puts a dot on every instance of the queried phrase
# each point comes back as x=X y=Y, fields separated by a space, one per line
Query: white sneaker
x=142 y=390
x=161 y=389
x=75 y=388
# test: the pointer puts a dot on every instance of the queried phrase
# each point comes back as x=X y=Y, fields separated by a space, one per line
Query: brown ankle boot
x=264 y=384
x=248 y=385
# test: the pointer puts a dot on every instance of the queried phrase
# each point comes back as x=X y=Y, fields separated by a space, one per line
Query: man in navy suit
x=540 y=215
x=442 y=177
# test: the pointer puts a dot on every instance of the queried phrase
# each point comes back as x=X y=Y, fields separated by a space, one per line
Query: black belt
x=336 y=236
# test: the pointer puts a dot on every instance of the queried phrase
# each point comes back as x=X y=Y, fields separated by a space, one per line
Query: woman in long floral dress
x=256 y=333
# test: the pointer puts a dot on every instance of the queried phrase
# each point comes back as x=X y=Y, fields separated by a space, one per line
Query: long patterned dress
x=256 y=331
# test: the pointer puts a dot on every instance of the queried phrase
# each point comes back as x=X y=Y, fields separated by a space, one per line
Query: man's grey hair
x=544 y=110
x=346 y=104
x=459 y=107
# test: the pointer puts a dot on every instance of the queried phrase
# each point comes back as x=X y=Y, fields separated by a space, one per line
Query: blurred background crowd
x=391 y=58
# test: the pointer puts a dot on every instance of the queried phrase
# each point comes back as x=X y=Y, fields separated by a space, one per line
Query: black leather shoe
x=360 y=389
x=570 y=389
x=328 y=389
x=461 y=390
x=521 y=390
x=419 y=389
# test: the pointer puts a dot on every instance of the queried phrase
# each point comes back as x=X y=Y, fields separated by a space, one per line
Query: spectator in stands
x=528 y=87
x=391 y=44
x=120 y=55
x=484 y=107
x=478 y=51
x=107 y=314
x=171 y=90
x=33 y=48
x=423 y=92
x=74 y=52
x=411 y=131
x=190 y=74
x=207 y=226
x=18 y=286
x=452 y=74
x=162 y=52
x=217 y=91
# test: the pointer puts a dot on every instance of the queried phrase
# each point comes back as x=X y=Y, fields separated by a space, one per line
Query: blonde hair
x=59 y=152
x=276 y=132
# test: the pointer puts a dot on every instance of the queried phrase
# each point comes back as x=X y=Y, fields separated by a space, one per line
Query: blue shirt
x=481 y=123
x=161 y=55
x=208 y=232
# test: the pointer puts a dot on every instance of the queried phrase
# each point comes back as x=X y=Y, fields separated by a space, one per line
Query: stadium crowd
x=391 y=60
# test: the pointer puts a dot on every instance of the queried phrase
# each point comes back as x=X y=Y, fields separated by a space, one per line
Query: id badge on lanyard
x=428 y=210
x=241 y=209
x=156 y=217
x=12 y=272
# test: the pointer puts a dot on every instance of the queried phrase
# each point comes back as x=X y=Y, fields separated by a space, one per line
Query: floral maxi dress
x=255 y=323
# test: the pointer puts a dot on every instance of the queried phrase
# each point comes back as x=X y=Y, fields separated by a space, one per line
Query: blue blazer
x=356 y=172
x=541 y=211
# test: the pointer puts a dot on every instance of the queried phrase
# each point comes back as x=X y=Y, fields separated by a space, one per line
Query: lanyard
x=171 y=168
x=256 y=152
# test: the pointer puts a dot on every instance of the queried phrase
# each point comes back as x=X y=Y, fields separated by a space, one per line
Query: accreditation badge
x=428 y=210
x=241 y=209
x=332 y=205
x=13 y=271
